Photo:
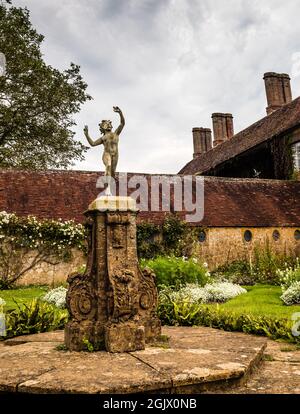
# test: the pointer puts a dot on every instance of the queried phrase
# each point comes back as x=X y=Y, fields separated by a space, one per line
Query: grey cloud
x=169 y=64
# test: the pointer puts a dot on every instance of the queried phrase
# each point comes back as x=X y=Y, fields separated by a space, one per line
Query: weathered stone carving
x=113 y=305
x=81 y=300
x=148 y=297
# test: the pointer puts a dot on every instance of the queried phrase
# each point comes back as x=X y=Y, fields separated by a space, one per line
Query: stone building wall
x=224 y=245
x=230 y=204
x=53 y=275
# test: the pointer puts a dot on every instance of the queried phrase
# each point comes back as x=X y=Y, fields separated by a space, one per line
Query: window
x=202 y=236
x=296 y=155
x=276 y=235
x=247 y=236
x=297 y=235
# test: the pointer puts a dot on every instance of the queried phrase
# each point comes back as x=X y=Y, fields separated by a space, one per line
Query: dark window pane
x=276 y=235
x=247 y=236
x=202 y=236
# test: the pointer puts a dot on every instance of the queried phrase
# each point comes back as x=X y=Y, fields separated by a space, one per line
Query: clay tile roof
x=237 y=202
x=228 y=202
x=280 y=121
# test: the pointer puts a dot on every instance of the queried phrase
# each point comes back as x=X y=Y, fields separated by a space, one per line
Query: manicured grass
x=21 y=295
x=260 y=300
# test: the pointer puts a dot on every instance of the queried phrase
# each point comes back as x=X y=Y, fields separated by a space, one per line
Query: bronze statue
x=110 y=141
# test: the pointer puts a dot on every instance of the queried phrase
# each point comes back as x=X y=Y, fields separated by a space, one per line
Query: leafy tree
x=37 y=101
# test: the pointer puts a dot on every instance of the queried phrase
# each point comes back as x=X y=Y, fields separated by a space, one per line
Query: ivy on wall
x=173 y=237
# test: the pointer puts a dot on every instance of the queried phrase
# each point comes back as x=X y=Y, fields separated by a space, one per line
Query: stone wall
x=53 y=275
x=224 y=245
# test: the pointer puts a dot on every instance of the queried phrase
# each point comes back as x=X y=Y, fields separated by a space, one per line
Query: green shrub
x=265 y=264
x=34 y=317
x=191 y=314
x=148 y=245
x=177 y=271
x=173 y=237
x=174 y=232
x=264 y=267
x=238 y=271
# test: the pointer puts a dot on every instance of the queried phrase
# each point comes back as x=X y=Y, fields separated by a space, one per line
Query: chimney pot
x=278 y=90
x=222 y=127
x=202 y=141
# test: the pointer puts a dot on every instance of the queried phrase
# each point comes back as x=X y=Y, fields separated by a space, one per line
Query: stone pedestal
x=113 y=304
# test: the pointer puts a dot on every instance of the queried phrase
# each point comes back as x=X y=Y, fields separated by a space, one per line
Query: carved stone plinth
x=113 y=304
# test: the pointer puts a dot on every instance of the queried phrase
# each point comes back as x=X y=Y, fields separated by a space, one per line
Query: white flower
x=215 y=292
x=289 y=275
x=291 y=296
x=56 y=297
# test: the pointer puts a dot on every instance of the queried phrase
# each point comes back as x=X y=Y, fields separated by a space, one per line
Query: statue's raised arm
x=122 y=119
x=98 y=141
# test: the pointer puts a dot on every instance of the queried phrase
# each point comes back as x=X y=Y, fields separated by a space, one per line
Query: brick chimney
x=222 y=127
x=202 y=141
x=278 y=90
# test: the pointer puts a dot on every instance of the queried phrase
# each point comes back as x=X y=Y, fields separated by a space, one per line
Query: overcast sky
x=168 y=64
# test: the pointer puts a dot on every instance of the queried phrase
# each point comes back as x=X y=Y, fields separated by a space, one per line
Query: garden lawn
x=21 y=295
x=260 y=300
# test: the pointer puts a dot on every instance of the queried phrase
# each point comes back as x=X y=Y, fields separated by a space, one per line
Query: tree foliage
x=37 y=101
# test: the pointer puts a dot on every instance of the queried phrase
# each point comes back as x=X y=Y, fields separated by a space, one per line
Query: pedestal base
x=124 y=337
x=113 y=304
x=80 y=335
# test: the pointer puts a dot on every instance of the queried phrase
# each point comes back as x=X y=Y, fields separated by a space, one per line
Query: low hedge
x=187 y=314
